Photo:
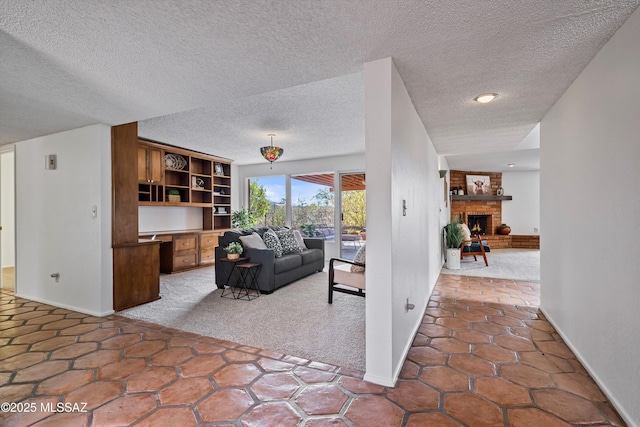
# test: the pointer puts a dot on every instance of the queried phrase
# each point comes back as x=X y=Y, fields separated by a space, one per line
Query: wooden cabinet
x=208 y=242
x=172 y=176
x=149 y=164
x=136 y=274
x=150 y=174
x=180 y=253
x=184 y=250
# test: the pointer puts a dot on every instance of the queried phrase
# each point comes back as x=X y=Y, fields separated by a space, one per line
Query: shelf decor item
x=173 y=195
x=174 y=161
x=218 y=169
x=478 y=185
x=234 y=250
x=500 y=191
x=271 y=153
x=504 y=229
x=197 y=183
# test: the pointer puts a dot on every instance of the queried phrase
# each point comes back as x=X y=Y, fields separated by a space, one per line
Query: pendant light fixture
x=271 y=153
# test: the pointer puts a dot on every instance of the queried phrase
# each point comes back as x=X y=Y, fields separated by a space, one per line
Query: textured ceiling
x=218 y=76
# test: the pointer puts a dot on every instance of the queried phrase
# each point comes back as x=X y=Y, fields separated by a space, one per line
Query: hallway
x=483 y=356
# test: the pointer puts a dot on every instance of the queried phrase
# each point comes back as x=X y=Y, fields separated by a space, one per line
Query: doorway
x=353 y=208
x=7 y=218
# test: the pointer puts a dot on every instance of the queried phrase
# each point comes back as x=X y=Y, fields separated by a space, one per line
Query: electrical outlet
x=535 y=229
x=94 y=212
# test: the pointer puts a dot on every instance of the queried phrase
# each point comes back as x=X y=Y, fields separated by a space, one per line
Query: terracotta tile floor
x=484 y=356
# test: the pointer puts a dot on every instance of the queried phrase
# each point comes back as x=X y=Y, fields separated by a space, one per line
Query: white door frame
x=5 y=149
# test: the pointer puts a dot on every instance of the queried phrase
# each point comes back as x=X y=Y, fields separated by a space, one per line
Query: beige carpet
x=294 y=320
x=517 y=264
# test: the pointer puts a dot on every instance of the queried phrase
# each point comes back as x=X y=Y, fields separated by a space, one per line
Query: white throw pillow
x=253 y=241
x=360 y=257
x=300 y=239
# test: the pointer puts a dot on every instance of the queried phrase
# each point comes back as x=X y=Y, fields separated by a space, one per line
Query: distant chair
x=342 y=279
x=478 y=247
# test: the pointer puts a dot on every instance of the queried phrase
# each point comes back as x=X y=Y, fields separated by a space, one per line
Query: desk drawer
x=185 y=243
x=181 y=262
x=207 y=256
x=208 y=240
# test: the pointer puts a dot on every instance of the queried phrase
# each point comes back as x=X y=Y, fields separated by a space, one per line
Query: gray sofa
x=275 y=272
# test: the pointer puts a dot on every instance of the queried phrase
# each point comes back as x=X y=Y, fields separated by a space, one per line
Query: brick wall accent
x=525 y=242
x=465 y=208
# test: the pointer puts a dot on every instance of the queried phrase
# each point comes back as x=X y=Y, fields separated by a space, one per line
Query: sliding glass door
x=354 y=213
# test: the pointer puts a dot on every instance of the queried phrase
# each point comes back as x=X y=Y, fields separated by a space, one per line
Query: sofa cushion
x=311 y=255
x=288 y=241
x=253 y=241
x=270 y=239
x=299 y=239
x=287 y=262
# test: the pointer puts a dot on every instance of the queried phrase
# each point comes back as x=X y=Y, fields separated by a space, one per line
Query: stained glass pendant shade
x=271 y=153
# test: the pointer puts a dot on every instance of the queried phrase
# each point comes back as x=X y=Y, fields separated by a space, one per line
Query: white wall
x=7 y=189
x=55 y=230
x=167 y=218
x=590 y=253
x=403 y=252
x=522 y=213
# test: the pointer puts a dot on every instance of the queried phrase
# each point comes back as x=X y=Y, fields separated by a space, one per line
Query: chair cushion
x=286 y=263
x=342 y=274
x=311 y=255
x=361 y=257
x=475 y=247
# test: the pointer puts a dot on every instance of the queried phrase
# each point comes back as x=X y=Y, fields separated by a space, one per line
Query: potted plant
x=453 y=240
x=243 y=218
x=233 y=250
x=173 y=194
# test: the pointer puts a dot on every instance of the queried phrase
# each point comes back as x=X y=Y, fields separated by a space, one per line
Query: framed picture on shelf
x=218 y=169
x=222 y=210
x=478 y=185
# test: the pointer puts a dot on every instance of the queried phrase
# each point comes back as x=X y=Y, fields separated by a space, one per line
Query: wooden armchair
x=474 y=249
x=342 y=279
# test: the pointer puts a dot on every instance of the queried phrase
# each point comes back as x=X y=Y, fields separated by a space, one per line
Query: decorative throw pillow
x=272 y=242
x=466 y=233
x=299 y=239
x=288 y=242
x=253 y=241
x=361 y=257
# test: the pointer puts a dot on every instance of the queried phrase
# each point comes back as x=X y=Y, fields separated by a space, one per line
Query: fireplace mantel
x=480 y=198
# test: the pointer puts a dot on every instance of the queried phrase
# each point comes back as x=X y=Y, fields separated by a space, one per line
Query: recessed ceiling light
x=485 y=97
x=511 y=165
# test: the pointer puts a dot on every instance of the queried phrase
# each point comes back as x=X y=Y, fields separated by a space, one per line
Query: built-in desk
x=185 y=249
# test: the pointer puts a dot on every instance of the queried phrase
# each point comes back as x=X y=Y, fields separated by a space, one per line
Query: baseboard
x=625 y=416
x=384 y=381
x=67 y=307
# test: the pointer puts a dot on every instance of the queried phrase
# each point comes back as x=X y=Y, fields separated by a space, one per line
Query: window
x=312 y=209
x=268 y=200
